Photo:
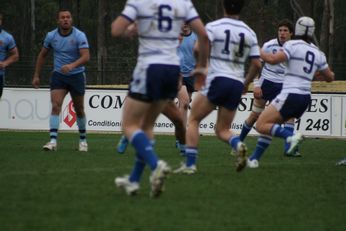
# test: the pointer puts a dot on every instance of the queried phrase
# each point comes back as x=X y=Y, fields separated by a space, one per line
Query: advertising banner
x=29 y=109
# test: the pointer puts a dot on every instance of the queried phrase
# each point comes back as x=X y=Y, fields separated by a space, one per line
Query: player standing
x=71 y=52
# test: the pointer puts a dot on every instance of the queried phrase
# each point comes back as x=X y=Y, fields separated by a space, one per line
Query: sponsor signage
x=29 y=109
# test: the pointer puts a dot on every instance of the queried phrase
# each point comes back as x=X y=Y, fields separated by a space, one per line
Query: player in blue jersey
x=187 y=64
x=232 y=44
x=266 y=88
x=303 y=60
x=71 y=51
x=155 y=78
x=8 y=53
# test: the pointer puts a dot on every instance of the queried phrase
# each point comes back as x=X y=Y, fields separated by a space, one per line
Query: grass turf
x=69 y=190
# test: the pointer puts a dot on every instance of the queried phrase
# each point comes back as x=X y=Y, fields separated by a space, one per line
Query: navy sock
x=144 y=148
x=233 y=141
x=279 y=131
x=137 y=170
x=290 y=128
x=262 y=144
x=244 y=131
x=191 y=156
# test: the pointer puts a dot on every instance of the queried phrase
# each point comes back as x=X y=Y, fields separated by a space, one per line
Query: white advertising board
x=29 y=109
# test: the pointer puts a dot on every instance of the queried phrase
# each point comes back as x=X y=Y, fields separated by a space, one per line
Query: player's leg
x=172 y=112
x=57 y=97
x=257 y=108
x=200 y=108
x=77 y=91
x=225 y=117
x=289 y=126
x=283 y=108
x=184 y=102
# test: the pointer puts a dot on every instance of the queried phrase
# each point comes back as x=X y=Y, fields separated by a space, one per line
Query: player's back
x=274 y=73
x=304 y=59
x=232 y=43
x=159 y=24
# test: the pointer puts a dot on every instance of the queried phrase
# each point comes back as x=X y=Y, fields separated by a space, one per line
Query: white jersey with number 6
x=159 y=25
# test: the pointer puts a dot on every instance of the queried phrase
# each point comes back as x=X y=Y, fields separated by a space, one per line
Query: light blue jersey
x=187 y=59
x=6 y=43
x=66 y=48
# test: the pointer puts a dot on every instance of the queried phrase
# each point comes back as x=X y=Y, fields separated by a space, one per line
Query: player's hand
x=2 y=65
x=257 y=92
x=131 y=31
x=36 y=82
x=66 y=68
x=200 y=75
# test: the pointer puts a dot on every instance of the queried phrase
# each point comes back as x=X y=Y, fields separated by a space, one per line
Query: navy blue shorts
x=224 y=92
x=189 y=83
x=156 y=82
x=75 y=84
x=291 y=105
x=270 y=90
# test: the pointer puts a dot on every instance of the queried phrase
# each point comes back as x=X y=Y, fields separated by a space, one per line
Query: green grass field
x=69 y=190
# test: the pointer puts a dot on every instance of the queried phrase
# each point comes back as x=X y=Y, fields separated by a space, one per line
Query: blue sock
x=262 y=144
x=53 y=128
x=144 y=148
x=137 y=170
x=191 y=156
x=244 y=131
x=289 y=127
x=279 y=131
x=233 y=141
x=81 y=122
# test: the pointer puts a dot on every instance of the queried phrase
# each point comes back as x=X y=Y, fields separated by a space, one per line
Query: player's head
x=305 y=27
x=233 y=7
x=285 y=30
x=64 y=19
x=186 y=29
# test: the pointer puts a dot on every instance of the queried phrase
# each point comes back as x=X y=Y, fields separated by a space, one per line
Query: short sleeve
x=130 y=11
x=82 y=41
x=47 y=41
x=209 y=32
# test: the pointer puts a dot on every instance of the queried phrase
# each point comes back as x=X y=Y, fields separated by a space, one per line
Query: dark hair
x=287 y=23
x=62 y=10
x=233 y=6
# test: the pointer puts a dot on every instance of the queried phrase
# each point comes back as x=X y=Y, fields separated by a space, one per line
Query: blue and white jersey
x=159 y=25
x=232 y=43
x=66 y=48
x=304 y=60
x=274 y=73
x=6 y=43
x=187 y=58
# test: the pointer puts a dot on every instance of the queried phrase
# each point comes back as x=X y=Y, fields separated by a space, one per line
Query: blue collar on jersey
x=279 y=42
x=65 y=34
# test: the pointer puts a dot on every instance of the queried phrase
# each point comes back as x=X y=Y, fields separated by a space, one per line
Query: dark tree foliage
x=114 y=63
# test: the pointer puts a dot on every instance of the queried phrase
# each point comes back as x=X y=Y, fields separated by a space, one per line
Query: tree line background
x=112 y=60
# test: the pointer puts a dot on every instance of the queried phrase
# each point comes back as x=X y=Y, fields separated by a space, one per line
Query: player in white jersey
x=266 y=88
x=232 y=43
x=303 y=60
x=155 y=78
